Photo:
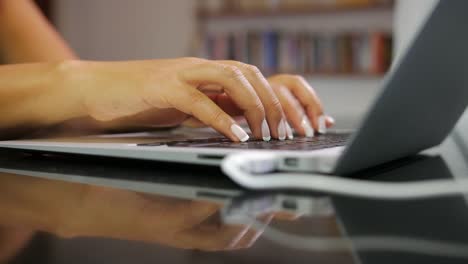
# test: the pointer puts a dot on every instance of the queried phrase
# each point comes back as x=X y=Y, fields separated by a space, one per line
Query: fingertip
x=282 y=130
x=266 y=135
x=239 y=133
x=330 y=121
x=322 y=127
x=289 y=131
x=307 y=127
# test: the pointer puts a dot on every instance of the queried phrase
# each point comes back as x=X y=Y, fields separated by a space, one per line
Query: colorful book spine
x=304 y=52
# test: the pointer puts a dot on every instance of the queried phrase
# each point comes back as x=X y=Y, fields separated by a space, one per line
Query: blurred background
x=343 y=47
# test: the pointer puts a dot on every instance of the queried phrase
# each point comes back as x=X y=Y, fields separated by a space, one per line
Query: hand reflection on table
x=175 y=222
x=29 y=204
x=72 y=210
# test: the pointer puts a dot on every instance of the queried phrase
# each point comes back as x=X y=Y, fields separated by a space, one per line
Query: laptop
x=139 y=176
x=423 y=97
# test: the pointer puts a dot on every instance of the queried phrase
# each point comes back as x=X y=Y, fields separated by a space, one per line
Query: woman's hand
x=158 y=93
x=186 y=224
x=301 y=104
x=191 y=90
x=77 y=210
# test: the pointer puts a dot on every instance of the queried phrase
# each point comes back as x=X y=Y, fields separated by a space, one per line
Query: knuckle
x=231 y=62
x=280 y=78
x=253 y=69
x=194 y=59
x=232 y=72
x=297 y=77
x=275 y=107
x=259 y=108
x=196 y=98
x=218 y=117
x=277 y=87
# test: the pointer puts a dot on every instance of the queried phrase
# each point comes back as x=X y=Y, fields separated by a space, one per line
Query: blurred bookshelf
x=325 y=39
x=235 y=9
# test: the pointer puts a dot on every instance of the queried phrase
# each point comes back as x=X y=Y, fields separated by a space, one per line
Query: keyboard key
x=298 y=143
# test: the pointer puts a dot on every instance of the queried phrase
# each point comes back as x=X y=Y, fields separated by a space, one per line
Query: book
x=303 y=52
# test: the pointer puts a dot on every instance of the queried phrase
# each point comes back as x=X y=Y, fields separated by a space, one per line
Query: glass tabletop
x=147 y=211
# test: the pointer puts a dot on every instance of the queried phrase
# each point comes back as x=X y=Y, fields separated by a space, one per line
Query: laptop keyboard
x=299 y=143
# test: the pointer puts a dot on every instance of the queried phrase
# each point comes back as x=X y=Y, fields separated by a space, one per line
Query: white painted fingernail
x=282 y=130
x=322 y=129
x=239 y=132
x=289 y=131
x=309 y=131
x=265 y=131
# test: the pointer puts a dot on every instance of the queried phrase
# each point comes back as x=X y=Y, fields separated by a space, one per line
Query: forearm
x=31 y=202
x=40 y=95
x=26 y=36
x=37 y=95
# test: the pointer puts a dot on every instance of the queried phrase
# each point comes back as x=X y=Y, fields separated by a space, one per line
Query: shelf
x=227 y=14
x=329 y=74
x=339 y=76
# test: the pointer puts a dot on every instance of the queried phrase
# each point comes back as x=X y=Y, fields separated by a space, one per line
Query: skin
x=45 y=85
x=168 y=92
x=85 y=210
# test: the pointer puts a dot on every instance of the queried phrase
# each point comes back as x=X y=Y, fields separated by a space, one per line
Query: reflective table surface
x=195 y=214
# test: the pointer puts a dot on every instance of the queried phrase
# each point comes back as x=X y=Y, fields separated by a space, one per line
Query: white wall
x=142 y=29
x=127 y=29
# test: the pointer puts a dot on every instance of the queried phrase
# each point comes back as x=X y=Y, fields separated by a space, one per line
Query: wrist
x=71 y=79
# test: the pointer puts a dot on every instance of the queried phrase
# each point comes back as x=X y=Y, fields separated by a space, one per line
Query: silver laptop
x=421 y=101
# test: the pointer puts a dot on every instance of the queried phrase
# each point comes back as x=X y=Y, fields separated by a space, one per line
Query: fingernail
x=240 y=133
x=309 y=131
x=289 y=132
x=265 y=131
x=282 y=130
x=331 y=120
x=322 y=129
